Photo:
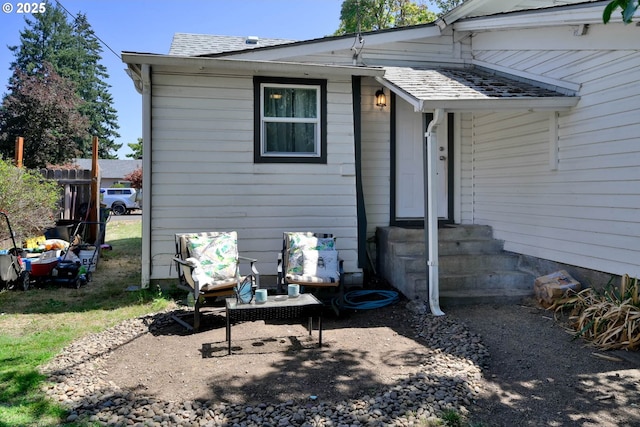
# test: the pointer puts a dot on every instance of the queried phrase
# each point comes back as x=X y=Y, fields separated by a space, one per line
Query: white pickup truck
x=121 y=200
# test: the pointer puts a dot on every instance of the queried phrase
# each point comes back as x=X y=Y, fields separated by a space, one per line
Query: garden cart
x=79 y=261
x=13 y=274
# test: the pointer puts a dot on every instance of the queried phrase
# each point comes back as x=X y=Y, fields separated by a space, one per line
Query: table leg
x=228 y=332
x=320 y=330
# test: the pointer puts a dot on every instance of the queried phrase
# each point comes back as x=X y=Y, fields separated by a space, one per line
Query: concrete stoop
x=473 y=266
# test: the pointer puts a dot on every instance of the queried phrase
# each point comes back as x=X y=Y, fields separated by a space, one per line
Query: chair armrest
x=280 y=273
x=182 y=262
x=189 y=265
x=189 y=262
x=254 y=269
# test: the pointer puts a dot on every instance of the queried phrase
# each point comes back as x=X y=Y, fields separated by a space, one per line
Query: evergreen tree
x=91 y=79
x=136 y=147
x=75 y=53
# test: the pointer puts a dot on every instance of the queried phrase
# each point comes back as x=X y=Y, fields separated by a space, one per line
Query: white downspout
x=430 y=160
x=146 y=176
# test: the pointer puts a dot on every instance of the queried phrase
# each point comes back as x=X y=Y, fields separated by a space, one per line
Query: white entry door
x=410 y=137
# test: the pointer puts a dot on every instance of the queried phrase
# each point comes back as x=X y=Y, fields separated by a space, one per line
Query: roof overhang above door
x=472 y=89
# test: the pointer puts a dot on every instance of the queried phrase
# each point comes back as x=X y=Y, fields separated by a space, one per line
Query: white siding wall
x=408 y=53
x=464 y=159
x=419 y=52
x=587 y=212
x=376 y=161
x=204 y=177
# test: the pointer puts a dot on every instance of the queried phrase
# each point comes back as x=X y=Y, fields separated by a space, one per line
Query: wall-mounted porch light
x=381 y=98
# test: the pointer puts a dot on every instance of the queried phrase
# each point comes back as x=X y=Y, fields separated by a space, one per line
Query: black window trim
x=257 y=124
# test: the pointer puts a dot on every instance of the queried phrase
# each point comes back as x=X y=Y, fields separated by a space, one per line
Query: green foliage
x=28 y=199
x=19 y=390
x=447 y=5
x=135 y=178
x=628 y=7
x=610 y=318
x=136 y=147
x=452 y=418
x=91 y=77
x=75 y=53
x=37 y=325
x=42 y=108
x=371 y=15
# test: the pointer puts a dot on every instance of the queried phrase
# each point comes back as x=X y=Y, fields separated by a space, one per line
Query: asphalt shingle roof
x=456 y=84
x=111 y=168
x=184 y=44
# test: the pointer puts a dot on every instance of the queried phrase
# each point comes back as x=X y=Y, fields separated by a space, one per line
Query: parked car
x=120 y=200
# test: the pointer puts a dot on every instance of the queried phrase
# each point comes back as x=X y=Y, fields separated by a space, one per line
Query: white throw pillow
x=299 y=242
x=320 y=263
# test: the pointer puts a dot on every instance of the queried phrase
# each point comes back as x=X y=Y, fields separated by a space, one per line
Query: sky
x=148 y=26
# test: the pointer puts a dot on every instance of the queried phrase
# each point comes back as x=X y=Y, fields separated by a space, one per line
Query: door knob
x=443 y=158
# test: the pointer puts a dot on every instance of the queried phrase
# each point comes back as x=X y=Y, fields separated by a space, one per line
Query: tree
x=136 y=147
x=75 y=53
x=91 y=78
x=370 y=15
x=446 y=5
x=628 y=7
x=42 y=108
x=28 y=199
x=135 y=178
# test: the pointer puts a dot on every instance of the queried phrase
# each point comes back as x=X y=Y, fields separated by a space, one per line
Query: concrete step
x=477 y=262
x=463 y=264
x=473 y=267
x=449 y=247
x=470 y=246
x=465 y=232
x=453 y=232
x=479 y=280
x=499 y=279
x=410 y=248
x=482 y=296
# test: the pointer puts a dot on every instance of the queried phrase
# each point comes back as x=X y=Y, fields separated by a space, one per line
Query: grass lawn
x=35 y=325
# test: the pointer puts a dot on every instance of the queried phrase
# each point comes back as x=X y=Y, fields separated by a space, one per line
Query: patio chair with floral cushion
x=208 y=267
x=311 y=260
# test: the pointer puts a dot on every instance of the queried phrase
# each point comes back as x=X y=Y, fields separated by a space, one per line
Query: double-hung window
x=290 y=120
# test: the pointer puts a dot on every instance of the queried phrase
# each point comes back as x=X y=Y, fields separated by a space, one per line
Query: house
x=525 y=114
x=111 y=171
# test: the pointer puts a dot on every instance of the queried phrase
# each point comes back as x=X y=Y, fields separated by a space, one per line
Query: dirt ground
x=536 y=375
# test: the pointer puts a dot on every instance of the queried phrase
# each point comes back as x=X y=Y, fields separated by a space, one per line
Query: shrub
x=28 y=199
x=609 y=319
x=136 y=178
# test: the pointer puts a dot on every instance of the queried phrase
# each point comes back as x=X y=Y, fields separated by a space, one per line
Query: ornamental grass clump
x=609 y=319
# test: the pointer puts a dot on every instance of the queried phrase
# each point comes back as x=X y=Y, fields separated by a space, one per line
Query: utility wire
x=94 y=33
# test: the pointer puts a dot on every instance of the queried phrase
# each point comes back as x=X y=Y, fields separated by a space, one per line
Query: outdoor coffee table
x=277 y=307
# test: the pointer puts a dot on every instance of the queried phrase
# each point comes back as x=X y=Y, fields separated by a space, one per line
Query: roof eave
x=331 y=43
x=561 y=103
x=202 y=64
x=583 y=13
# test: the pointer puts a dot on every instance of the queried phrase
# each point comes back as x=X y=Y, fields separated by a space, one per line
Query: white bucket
x=89 y=258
